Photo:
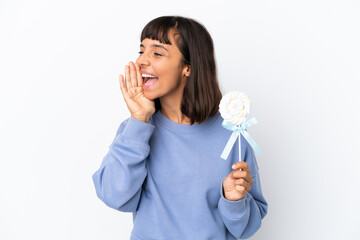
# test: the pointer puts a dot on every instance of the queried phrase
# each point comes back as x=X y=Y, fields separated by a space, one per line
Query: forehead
x=155 y=44
x=149 y=42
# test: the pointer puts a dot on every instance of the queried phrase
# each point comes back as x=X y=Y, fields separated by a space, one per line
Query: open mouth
x=149 y=80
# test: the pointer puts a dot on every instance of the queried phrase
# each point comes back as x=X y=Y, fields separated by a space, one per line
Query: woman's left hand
x=238 y=183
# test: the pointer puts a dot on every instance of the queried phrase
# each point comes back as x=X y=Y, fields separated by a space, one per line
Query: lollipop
x=234 y=107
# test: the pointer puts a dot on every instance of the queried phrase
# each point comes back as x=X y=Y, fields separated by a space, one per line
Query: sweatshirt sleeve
x=243 y=217
x=118 y=181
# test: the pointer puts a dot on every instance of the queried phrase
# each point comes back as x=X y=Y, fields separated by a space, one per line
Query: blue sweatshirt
x=170 y=175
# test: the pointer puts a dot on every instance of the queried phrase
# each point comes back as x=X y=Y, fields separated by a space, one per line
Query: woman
x=164 y=164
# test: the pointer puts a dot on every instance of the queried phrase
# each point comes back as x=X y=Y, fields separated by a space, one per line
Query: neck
x=172 y=111
x=171 y=105
x=171 y=108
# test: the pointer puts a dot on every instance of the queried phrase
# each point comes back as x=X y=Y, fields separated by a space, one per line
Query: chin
x=149 y=95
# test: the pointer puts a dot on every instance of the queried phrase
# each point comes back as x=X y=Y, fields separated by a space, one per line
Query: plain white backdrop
x=61 y=105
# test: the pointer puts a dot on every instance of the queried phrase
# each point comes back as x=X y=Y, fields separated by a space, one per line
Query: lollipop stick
x=239 y=147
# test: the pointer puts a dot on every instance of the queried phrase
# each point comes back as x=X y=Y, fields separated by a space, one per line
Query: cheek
x=162 y=69
x=172 y=71
x=167 y=70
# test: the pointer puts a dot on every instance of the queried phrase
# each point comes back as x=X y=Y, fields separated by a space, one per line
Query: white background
x=61 y=105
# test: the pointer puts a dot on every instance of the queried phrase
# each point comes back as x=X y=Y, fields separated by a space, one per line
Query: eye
x=141 y=52
x=158 y=54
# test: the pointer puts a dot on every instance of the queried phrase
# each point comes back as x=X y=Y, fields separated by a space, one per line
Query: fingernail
x=233 y=166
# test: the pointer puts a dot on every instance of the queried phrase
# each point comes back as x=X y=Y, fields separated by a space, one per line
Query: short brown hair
x=202 y=95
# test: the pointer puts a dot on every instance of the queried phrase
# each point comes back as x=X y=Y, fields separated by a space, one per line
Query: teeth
x=146 y=75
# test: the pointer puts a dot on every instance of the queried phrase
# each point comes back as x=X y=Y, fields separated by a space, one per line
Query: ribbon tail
x=251 y=142
x=229 y=145
x=251 y=122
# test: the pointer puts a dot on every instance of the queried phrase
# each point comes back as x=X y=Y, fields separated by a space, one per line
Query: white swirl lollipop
x=234 y=107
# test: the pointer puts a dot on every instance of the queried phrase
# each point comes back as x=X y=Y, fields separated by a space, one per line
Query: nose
x=143 y=60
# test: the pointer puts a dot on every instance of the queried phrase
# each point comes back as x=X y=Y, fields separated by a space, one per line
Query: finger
x=124 y=91
x=247 y=186
x=127 y=77
x=122 y=86
x=248 y=178
x=242 y=182
x=133 y=76
x=241 y=189
x=241 y=165
x=244 y=166
x=241 y=174
x=139 y=76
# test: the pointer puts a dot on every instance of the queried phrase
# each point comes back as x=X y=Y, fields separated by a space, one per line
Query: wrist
x=145 y=119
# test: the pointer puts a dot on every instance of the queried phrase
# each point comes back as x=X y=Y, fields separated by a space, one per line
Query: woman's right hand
x=140 y=107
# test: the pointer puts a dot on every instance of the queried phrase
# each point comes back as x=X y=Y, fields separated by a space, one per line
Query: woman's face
x=164 y=62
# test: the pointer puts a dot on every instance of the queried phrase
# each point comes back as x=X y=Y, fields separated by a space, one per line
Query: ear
x=187 y=70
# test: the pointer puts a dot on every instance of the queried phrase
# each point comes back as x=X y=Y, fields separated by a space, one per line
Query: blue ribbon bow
x=239 y=129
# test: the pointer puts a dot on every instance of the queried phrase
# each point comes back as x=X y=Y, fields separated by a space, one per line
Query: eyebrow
x=155 y=45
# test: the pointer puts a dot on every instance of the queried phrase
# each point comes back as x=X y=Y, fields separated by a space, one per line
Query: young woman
x=164 y=164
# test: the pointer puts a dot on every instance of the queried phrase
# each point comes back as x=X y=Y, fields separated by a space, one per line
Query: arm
x=243 y=217
x=118 y=181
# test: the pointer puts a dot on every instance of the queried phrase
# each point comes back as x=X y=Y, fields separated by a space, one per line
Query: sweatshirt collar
x=184 y=128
